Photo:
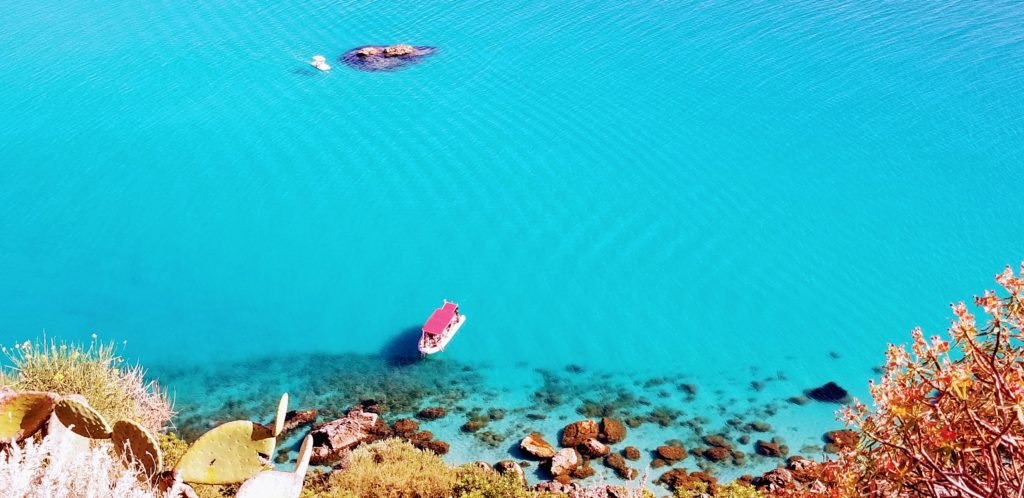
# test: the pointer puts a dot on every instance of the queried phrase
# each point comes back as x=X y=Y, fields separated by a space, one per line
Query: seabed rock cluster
x=349 y=396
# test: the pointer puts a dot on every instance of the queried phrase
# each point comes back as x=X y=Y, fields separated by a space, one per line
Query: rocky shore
x=675 y=431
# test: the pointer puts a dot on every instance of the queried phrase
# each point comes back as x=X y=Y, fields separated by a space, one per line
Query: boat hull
x=428 y=349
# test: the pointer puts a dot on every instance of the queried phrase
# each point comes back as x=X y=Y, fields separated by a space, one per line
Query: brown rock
x=843 y=439
x=582 y=472
x=717 y=453
x=658 y=463
x=615 y=461
x=759 y=426
x=432 y=413
x=368 y=51
x=592 y=448
x=405 y=426
x=671 y=453
x=438 y=447
x=716 y=440
x=631 y=453
x=767 y=448
x=612 y=431
x=398 y=50
x=675 y=478
x=576 y=433
x=558 y=488
x=565 y=460
x=421 y=436
x=330 y=440
x=536 y=446
x=563 y=479
x=473 y=426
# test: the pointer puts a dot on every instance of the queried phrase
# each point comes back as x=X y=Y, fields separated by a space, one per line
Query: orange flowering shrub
x=948 y=418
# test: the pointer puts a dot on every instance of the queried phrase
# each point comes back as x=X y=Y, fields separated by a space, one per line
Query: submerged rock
x=295 y=419
x=829 y=393
x=535 y=445
x=576 y=433
x=612 y=431
x=671 y=453
x=385 y=58
x=432 y=413
x=592 y=448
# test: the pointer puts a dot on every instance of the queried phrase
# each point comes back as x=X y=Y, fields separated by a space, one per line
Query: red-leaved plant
x=948 y=415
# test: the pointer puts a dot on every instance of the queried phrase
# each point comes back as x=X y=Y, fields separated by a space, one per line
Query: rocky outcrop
x=404 y=427
x=612 y=431
x=683 y=480
x=577 y=433
x=332 y=439
x=829 y=393
x=438 y=447
x=616 y=462
x=631 y=453
x=432 y=413
x=671 y=453
x=398 y=50
x=565 y=461
x=385 y=58
x=717 y=453
x=768 y=449
x=537 y=447
x=592 y=448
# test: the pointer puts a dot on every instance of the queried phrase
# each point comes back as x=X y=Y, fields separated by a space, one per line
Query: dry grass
x=390 y=469
x=118 y=391
x=52 y=469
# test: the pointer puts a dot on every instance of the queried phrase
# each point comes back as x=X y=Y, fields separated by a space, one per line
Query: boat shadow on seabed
x=400 y=350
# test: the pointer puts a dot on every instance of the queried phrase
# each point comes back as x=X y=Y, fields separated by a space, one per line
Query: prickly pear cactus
x=134 y=444
x=81 y=419
x=22 y=414
x=275 y=484
x=282 y=412
x=227 y=454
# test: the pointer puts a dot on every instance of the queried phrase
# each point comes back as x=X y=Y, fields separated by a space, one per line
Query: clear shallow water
x=643 y=188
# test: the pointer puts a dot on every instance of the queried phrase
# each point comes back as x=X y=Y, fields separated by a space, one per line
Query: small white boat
x=320 y=62
x=441 y=328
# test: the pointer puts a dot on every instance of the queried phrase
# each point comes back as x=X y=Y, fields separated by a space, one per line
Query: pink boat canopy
x=442 y=317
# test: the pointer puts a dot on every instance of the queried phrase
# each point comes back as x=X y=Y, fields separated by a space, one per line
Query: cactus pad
x=282 y=412
x=134 y=444
x=227 y=454
x=23 y=413
x=81 y=419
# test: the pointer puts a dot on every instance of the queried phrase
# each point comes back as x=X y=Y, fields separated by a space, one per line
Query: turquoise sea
x=712 y=192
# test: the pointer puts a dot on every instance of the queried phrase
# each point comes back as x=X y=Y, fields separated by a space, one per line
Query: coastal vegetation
x=946 y=419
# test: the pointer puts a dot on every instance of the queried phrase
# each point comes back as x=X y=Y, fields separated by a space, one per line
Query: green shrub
x=116 y=390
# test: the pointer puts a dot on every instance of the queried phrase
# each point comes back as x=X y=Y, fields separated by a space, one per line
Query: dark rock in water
x=658 y=463
x=473 y=426
x=612 y=431
x=717 y=453
x=768 y=449
x=432 y=413
x=573 y=368
x=841 y=439
x=631 y=453
x=405 y=426
x=577 y=432
x=671 y=453
x=582 y=472
x=799 y=400
x=743 y=439
x=759 y=426
x=438 y=447
x=385 y=58
x=829 y=393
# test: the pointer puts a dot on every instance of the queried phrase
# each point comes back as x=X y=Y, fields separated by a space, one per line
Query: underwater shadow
x=401 y=350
